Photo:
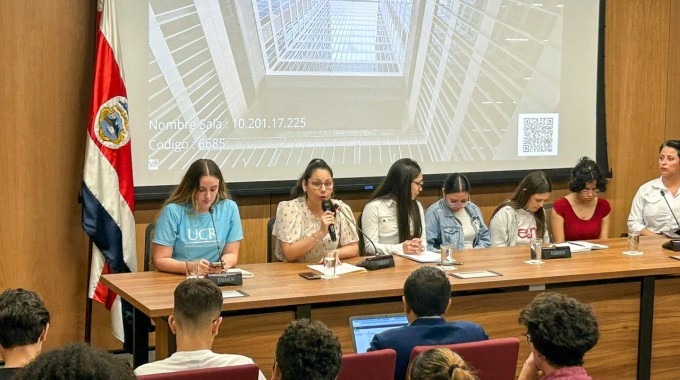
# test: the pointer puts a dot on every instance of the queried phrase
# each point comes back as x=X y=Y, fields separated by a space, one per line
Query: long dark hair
x=397 y=185
x=532 y=183
x=313 y=165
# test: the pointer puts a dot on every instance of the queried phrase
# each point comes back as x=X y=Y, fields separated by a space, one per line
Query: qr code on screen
x=537 y=134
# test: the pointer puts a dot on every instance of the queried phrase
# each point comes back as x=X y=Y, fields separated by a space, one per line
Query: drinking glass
x=535 y=250
x=330 y=262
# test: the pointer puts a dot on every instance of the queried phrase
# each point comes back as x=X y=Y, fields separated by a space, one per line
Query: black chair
x=148 y=237
x=362 y=247
x=271 y=258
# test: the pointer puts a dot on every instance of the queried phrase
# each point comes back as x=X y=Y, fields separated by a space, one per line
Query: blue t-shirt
x=191 y=234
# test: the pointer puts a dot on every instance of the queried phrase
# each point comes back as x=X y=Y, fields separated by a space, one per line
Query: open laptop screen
x=364 y=327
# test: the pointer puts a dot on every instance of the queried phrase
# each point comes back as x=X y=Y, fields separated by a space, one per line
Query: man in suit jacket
x=427 y=297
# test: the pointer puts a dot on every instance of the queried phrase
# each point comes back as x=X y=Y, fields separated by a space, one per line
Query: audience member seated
x=560 y=330
x=76 y=361
x=581 y=214
x=521 y=218
x=24 y=322
x=650 y=214
x=302 y=226
x=393 y=219
x=195 y=323
x=440 y=364
x=454 y=219
x=198 y=223
x=427 y=297
x=307 y=350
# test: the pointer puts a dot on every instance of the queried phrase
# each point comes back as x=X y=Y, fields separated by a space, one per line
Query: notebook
x=364 y=327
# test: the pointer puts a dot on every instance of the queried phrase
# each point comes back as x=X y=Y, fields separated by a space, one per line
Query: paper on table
x=589 y=244
x=343 y=268
x=425 y=257
x=244 y=273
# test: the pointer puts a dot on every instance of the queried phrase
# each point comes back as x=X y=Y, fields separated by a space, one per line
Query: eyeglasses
x=592 y=191
x=316 y=185
x=419 y=184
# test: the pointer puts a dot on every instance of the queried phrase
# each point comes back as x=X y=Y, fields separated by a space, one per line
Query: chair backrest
x=148 y=237
x=493 y=359
x=237 y=372
x=372 y=365
x=271 y=258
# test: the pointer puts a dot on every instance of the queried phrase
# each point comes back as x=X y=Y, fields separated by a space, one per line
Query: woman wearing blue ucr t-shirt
x=198 y=223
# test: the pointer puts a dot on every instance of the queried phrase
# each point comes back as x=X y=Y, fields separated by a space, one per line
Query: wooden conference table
x=620 y=288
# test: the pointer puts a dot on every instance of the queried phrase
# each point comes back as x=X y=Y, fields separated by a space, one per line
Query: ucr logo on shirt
x=201 y=234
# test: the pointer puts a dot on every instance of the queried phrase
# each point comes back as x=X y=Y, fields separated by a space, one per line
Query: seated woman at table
x=198 y=223
x=454 y=219
x=304 y=230
x=582 y=214
x=393 y=218
x=657 y=202
x=521 y=218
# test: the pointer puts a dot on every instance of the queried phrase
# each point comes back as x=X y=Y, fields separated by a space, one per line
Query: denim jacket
x=444 y=228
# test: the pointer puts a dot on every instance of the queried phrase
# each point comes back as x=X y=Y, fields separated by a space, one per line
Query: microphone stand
x=378 y=261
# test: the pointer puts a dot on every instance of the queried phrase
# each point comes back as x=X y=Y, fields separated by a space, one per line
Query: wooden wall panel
x=666 y=329
x=45 y=75
x=636 y=70
x=673 y=97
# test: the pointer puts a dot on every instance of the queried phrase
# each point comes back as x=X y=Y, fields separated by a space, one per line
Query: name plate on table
x=555 y=252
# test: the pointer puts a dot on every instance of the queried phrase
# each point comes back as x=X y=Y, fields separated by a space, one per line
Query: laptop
x=364 y=327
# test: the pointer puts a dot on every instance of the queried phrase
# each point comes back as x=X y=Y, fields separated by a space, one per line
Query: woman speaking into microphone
x=310 y=223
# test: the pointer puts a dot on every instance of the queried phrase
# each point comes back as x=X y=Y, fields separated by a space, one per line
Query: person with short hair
x=393 y=220
x=198 y=223
x=440 y=364
x=302 y=225
x=521 y=218
x=195 y=322
x=560 y=330
x=427 y=297
x=307 y=350
x=582 y=214
x=24 y=322
x=455 y=219
x=76 y=361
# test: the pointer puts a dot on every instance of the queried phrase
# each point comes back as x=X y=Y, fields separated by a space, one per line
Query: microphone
x=663 y=195
x=217 y=242
x=327 y=205
x=380 y=260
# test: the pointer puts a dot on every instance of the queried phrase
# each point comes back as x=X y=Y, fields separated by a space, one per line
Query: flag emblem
x=111 y=126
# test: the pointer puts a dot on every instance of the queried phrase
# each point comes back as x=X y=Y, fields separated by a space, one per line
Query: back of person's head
x=198 y=302
x=185 y=193
x=440 y=364
x=427 y=292
x=76 y=361
x=308 y=350
x=560 y=328
x=456 y=183
x=675 y=144
x=23 y=318
x=397 y=185
x=585 y=171
x=313 y=165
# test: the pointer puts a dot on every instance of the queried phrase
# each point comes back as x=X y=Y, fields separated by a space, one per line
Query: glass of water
x=535 y=250
x=330 y=262
x=446 y=257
